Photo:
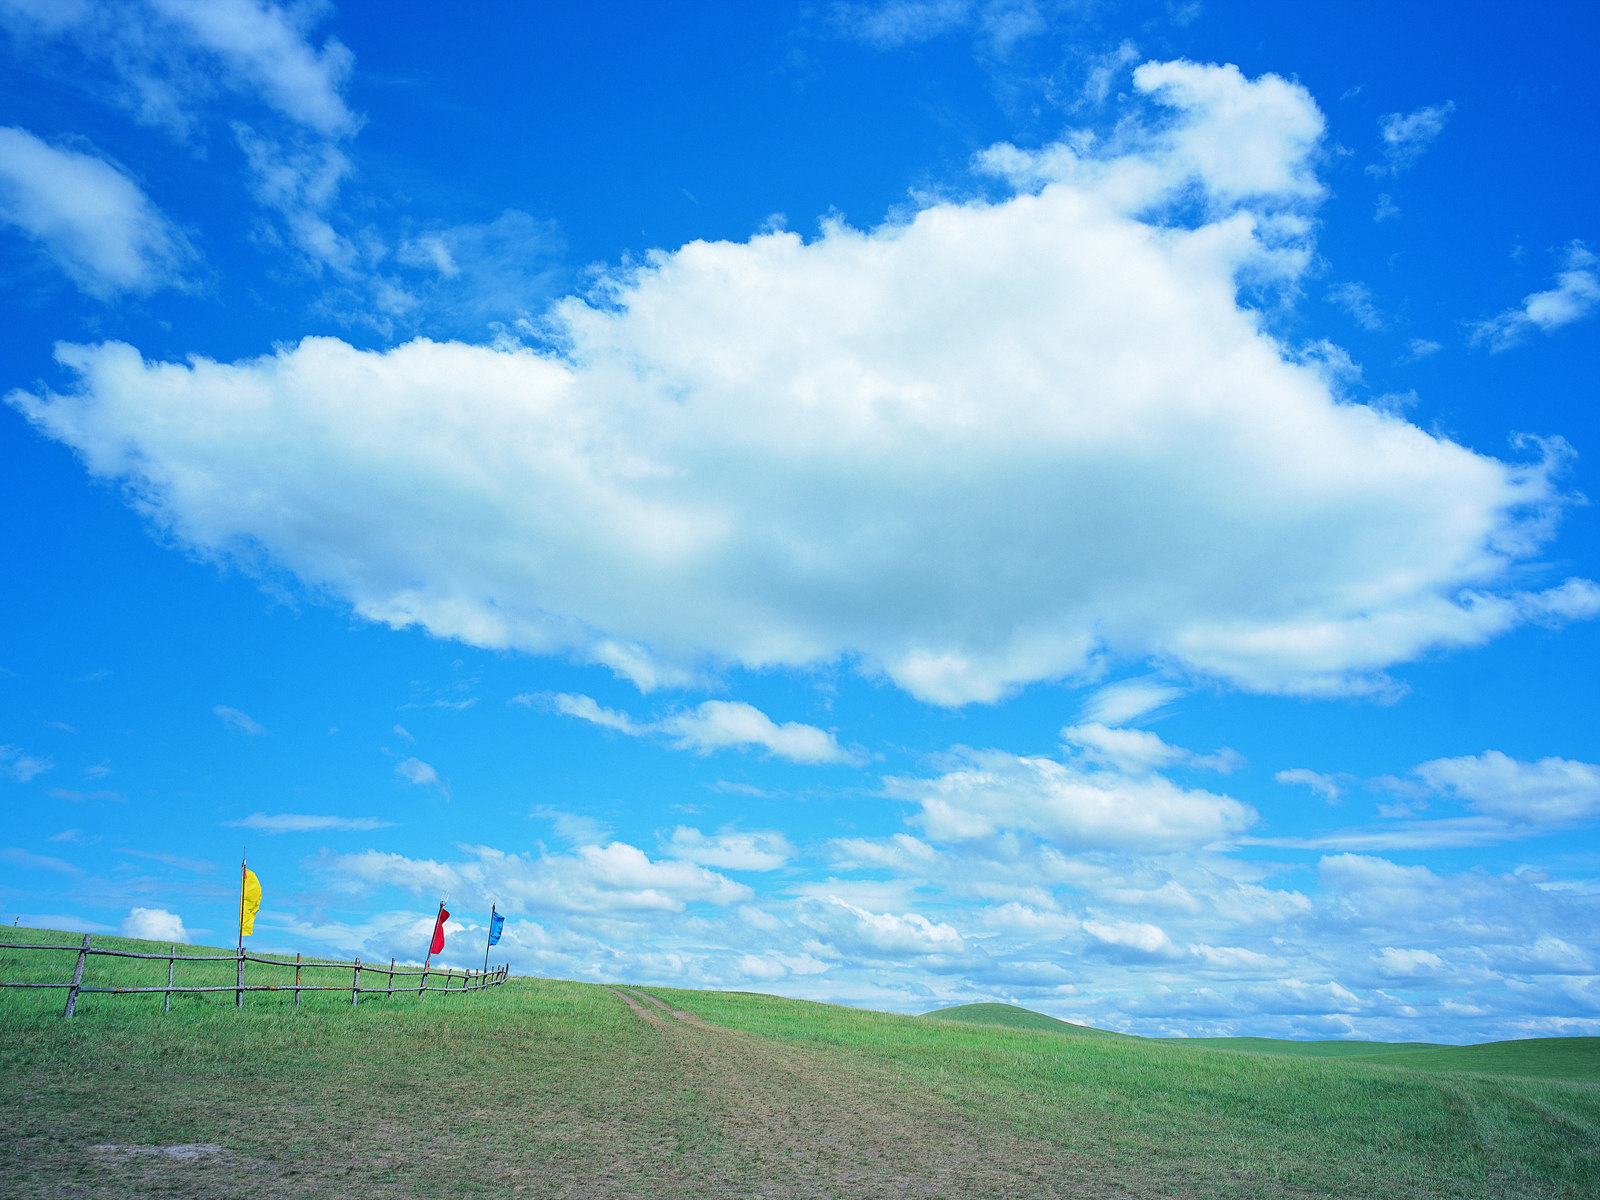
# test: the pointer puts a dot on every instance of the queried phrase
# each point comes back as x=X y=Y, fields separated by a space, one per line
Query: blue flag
x=496 y=922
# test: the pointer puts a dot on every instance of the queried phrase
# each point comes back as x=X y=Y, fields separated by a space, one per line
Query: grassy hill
x=545 y=1088
x=1571 y=1058
x=1011 y=1016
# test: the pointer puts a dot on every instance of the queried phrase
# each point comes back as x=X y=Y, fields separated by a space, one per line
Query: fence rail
x=470 y=980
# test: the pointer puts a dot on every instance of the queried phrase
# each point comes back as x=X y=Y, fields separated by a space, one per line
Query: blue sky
x=900 y=504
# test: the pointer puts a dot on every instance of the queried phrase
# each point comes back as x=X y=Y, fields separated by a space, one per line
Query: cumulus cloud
x=1067 y=804
x=1403 y=138
x=1552 y=793
x=612 y=879
x=851 y=929
x=986 y=445
x=715 y=725
x=1509 y=799
x=153 y=925
x=1574 y=297
x=304 y=823
x=92 y=220
x=1137 y=938
x=731 y=850
x=242 y=721
x=21 y=766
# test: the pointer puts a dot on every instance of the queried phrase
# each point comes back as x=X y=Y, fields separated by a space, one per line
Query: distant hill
x=1573 y=1058
x=1012 y=1016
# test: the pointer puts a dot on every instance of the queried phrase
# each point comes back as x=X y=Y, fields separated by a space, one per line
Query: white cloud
x=1138 y=751
x=90 y=218
x=21 y=766
x=1552 y=793
x=851 y=929
x=301 y=183
x=1119 y=703
x=303 y=823
x=1511 y=800
x=169 y=55
x=732 y=851
x=414 y=770
x=716 y=725
x=1325 y=786
x=1356 y=299
x=153 y=925
x=1131 y=937
x=586 y=708
x=952 y=477
x=894 y=23
x=614 y=879
x=263 y=49
x=1574 y=297
x=1067 y=805
x=243 y=722
x=1404 y=138
x=1104 y=69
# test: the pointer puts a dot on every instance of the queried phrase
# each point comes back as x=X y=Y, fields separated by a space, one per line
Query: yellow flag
x=249 y=901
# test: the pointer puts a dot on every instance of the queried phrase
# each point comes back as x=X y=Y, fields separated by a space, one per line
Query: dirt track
x=800 y=1129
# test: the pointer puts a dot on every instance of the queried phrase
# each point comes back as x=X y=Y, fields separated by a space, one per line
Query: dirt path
x=801 y=1127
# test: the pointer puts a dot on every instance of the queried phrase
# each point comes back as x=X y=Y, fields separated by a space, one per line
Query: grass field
x=544 y=1088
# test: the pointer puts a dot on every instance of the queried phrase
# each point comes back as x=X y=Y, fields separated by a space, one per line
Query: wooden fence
x=470 y=980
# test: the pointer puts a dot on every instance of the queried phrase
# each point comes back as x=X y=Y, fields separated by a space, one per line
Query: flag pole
x=429 y=959
x=487 y=937
x=238 y=993
x=241 y=899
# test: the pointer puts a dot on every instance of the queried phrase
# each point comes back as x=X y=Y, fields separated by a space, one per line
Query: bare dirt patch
x=803 y=1128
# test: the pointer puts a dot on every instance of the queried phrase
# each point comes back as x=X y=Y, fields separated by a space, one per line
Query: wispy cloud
x=718 y=725
x=198 y=866
x=29 y=861
x=1403 y=138
x=21 y=766
x=414 y=770
x=305 y=823
x=243 y=722
x=89 y=217
x=1574 y=297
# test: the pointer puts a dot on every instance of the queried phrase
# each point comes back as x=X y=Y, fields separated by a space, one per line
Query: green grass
x=1010 y=1016
x=1571 y=1058
x=546 y=1088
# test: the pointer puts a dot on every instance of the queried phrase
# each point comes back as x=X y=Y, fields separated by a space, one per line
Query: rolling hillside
x=546 y=1088
x=1571 y=1058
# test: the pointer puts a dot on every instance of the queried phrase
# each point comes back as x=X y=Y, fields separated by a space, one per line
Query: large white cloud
x=1065 y=803
x=973 y=449
x=93 y=221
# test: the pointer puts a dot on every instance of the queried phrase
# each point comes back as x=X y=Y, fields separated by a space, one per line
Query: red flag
x=438 y=930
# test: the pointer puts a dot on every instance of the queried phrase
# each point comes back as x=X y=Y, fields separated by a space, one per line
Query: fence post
x=424 y=982
x=77 y=978
x=238 y=983
x=355 y=986
x=172 y=963
x=297 y=981
x=391 y=975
